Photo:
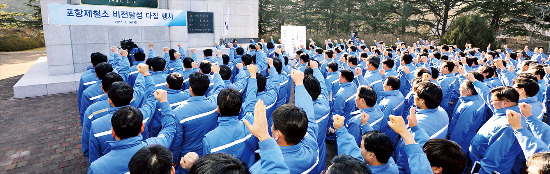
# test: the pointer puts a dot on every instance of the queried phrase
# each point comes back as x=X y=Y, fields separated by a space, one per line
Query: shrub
x=18 y=43
x=471 y=29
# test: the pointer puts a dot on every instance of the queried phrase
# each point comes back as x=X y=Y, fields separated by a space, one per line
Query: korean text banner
x=64 y=14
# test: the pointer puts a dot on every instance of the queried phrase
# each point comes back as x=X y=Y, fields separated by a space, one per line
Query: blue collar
x=227 y=120
x=291 y=149
x=529 y=100
x=426 y=111
x=196 y=98
x=502 y=111
x=389 y=93
x=172 y=91
x=125 y=143
x=470 y=98
x=345 y=84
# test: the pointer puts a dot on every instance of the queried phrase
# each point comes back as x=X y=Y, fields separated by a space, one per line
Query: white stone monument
x=68 y=47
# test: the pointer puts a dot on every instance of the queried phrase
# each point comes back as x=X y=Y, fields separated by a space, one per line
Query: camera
x=127 y=44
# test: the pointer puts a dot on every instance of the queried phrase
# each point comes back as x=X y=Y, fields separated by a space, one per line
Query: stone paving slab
x=40 y=135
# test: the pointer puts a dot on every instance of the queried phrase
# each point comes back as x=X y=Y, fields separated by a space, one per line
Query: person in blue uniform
x=198 y=115
x=231 y=136
x=494 y=145
x=94 y=92
x=127 y=126
x=375 y=149
x=315 y=86
x=295 y=130
x=97 y=110
x=391 y=102
x=121 y=94
x=431 y=117
x=88 y=77
x=157 y=65
x=468 y=116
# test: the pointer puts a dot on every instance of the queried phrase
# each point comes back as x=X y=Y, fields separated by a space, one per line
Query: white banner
x=65 y=14
x=293 y=37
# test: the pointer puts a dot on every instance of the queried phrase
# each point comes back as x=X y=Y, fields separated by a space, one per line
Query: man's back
x=196 y=118
x=433 y=121
x=231 y=137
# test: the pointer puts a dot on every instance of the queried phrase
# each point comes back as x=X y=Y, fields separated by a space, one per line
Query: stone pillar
x=58 y=43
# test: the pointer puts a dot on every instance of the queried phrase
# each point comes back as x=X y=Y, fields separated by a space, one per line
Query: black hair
x=278 y=65
x=353 y=60
x=364 y=55
x=353 y=48
x=379 y=144
x=539 y=71
x=471 y=61
x=450 y=65
x=225 y=72
x=299 y=52
x=319 y=51
x=312 y=86
x=368 y=94
x=229 y=102
x=308 y=71
x=445 y=47
x=407 y=58
x=347 y=74
x=151 y=159
x=329 y=53
x=171 y=54
x=445 y=154
x=488 y=69
x=291 y=121
x=437 y=55
x=158 y=64
x=333 y=66
x=109 y=79
x=434 y=72
x=207 y=52
x=304 y=57
x=127 y=122
x=444 y=57
x=421 y=71
x=102 y=68
x=505 y=93
x=246 y=59
x=348 y=164
x=97 y=58
x=261 y=46
x=541 y=161
x=431 y=93
x=174 y=81
x=239 y=51
x=187 y=62
x=286 y=59
x=513 y=56
x=252 y=47
x=219 y=163
x=374 y=60
x=531 y=87
x=261 y=82
x=393 y=81
x=225 y=59
x=205 y=67
x=121 y=93
x=139 y=56
x=199 y=83
x=270 y=45
x=388 y=62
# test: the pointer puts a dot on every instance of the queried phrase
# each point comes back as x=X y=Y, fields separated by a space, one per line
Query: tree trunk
x=446 y=9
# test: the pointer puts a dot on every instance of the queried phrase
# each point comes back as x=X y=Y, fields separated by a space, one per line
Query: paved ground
x=17 y=63
x=37 y=135
x=41 y=134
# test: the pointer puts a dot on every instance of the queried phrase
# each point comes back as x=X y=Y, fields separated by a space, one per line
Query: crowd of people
x=398 y=108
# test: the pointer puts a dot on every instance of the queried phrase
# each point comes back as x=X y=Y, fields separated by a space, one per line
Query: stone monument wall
x=68 y=48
